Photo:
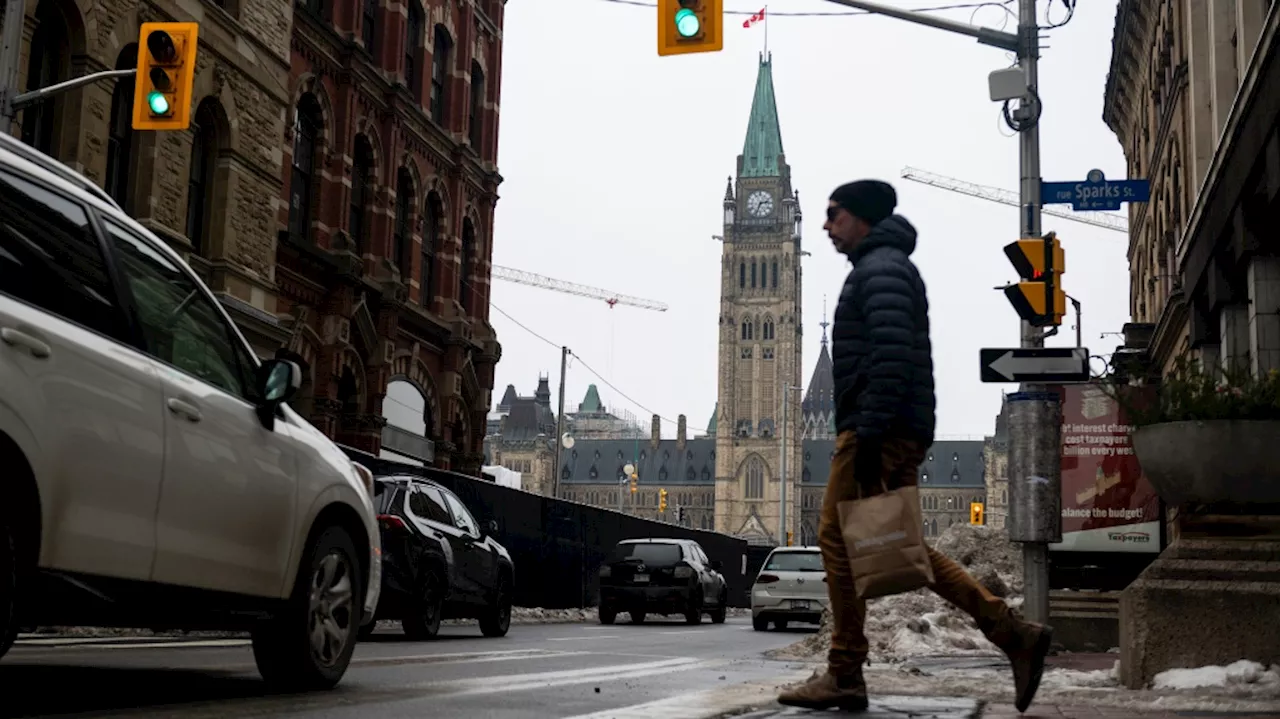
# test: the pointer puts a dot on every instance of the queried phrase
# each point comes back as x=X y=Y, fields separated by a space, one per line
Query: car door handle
x=185 y=409
x=16 y=338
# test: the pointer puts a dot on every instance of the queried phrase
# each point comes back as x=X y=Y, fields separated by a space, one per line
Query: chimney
x=682 y=434
x=656 y=436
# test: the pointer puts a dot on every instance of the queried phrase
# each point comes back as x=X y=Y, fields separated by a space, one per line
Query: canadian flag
x=758 y=17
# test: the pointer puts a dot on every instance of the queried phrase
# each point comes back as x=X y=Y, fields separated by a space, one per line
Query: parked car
x=791 y=587
x=438 y=562
x=662 y=576
x=153 y=475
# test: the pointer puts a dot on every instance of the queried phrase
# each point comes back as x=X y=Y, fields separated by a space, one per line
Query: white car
x=151 y=474
x=791 y=587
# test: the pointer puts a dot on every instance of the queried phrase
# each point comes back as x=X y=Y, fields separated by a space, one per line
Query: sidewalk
x=957 y=708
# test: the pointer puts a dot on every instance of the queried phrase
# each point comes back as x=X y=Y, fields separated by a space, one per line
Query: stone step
x=1085 y=621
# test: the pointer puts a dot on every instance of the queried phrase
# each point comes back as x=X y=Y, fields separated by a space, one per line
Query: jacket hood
x=893 y=231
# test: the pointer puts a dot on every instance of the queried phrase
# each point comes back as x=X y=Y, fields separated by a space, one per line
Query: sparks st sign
x=1035 y=364
x=1096 y=193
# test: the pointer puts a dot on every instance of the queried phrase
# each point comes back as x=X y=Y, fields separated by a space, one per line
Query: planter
x=1216 y=461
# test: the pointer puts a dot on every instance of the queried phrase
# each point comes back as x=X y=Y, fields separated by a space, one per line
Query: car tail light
x=767 y=579
x=683 y=572
x=391 y=521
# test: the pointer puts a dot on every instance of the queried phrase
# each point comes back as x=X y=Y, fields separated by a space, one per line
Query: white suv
x=151 y=474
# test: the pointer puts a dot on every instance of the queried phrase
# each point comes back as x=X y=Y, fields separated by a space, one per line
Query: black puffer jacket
x=881 y=356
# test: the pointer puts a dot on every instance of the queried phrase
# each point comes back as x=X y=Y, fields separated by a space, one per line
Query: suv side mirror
x=277 y=382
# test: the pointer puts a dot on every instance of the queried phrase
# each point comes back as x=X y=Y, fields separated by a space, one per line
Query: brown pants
x=901 y=460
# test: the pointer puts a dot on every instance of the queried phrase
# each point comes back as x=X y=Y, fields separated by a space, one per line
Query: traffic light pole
x=1035 y=474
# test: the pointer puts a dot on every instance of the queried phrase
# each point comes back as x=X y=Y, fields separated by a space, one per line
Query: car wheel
x=760 y=624
x=607 y=614
x=309 y=644
x=693 y=615
x=721 y=612
x=497 y=619
x=8 y=587
x=637 y=617
x=423 y=621
x=781 y=624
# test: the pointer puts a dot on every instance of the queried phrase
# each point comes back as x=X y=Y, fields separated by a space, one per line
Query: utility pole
x=555 y=477
x=1035 y=417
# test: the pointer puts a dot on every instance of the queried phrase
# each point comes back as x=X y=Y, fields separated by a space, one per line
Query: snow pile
x=922 y=623
x=1243 y=674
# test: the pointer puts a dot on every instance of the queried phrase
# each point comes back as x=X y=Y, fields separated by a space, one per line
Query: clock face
x=760 y=204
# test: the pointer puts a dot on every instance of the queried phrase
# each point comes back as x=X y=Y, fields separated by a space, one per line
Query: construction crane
x=1106 y=220
x=549 y=283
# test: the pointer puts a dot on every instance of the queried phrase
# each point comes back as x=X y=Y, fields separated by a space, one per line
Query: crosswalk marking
x=546 y=680
x=579 y=639
x=704 y=704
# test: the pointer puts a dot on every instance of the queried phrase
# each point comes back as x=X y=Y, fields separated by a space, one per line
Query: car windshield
x=795 y=562
x=648 y=552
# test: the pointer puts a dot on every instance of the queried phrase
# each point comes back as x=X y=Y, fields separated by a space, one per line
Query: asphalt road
x=575 y=671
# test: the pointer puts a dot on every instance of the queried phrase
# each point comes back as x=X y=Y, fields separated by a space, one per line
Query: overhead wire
x=831 y=13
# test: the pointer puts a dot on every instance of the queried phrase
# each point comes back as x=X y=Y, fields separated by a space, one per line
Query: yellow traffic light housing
x=662 y=500
x=687 y=26
x=166 y=74
x=788 y=538
x=1040 y=262
x=634 y=488
x=975 y=513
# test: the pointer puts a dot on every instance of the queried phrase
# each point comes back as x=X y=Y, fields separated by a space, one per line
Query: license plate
x=642 y=579
x=799 y=603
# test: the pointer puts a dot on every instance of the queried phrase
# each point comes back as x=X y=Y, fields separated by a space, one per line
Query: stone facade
x=995 y=455
x=1189 y=100
x=336 y=188
x=208 y=190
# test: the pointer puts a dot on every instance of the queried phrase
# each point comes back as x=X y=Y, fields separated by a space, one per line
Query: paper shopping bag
x=885 y=541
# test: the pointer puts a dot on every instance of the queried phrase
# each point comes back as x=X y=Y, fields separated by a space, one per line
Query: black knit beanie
x=870 y=200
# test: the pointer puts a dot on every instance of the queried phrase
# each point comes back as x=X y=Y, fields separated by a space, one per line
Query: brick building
x=336 y=189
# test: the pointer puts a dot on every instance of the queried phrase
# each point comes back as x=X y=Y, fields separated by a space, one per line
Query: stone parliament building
x=728 y=479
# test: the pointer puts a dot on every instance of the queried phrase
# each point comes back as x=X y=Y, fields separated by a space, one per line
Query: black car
x=438 y=562
x=662 y=576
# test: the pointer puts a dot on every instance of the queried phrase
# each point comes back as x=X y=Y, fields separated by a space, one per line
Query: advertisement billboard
x=1107 y=503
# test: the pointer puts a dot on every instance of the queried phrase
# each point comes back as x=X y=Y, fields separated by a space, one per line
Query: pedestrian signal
x=166 y=74
x=687 y=26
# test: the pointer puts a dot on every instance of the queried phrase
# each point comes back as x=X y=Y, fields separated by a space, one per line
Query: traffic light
x=680 y=514
x=166 y=73
x=634 y=477
x=975 y=513
x=662 y=500
x=1038 y=298
x=788 y=538
x=686 y=26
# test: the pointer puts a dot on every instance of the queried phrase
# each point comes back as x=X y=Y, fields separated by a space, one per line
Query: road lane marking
x=581 y=639
x=90 y=642
x=686 y=631
x=704 y=704
x=471 y=658
x=547 y=680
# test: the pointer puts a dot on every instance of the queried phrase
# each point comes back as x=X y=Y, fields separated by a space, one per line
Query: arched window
x=49 y=64
x=412 y=48
x=768 y=329
x=430 y=242
x=204 y=157
x=755 y=478
x=302 y=180
x=475 y=118
x=120 y=131
x=753 y=274
x=402 y=238
x=742 y=275
x=775 y=274
x=466 y=290
x=369 y=28
x=358 y=220
x=440 y=75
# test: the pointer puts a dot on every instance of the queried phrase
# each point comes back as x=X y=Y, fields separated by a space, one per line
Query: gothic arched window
x=774 y=272
x=755 y=478
x=753 y=274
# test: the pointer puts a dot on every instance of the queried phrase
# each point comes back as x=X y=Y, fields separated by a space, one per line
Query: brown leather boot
x=1026 y=644
x=827 y=691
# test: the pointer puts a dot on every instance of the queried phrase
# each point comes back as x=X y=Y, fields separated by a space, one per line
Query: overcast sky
x=615 y=163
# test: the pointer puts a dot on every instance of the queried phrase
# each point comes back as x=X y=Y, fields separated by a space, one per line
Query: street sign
x=1038 y=364
x=1095 y=193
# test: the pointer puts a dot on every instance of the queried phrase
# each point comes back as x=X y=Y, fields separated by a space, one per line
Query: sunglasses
x=833 y=213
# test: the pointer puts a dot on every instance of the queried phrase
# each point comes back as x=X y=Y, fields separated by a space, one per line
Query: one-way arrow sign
x=1047 y=364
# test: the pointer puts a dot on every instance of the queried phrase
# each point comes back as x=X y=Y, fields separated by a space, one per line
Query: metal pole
x=782 y=472
x=555 y=478
x=1079 y=327
x=1035 y=427
x=15 y=12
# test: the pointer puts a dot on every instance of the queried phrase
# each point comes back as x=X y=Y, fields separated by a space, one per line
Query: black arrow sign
x=1044 y=364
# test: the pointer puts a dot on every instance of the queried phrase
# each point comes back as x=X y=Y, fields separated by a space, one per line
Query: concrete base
x=1205 y=601
x=1085 y=621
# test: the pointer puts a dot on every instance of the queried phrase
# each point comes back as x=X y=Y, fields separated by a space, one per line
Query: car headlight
x=365 y=476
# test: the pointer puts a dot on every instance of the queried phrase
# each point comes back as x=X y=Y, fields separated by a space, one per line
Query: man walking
x=883 y=372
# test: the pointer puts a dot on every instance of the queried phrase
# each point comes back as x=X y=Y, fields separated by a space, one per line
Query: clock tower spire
x=760 y=333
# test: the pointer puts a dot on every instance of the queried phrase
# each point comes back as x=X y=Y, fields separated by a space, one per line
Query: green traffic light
x=687 y=23
x=158 y=103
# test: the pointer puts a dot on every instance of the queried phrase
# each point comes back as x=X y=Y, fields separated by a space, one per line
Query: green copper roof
x=591 y=403
x=764 y=135
x=711 y=426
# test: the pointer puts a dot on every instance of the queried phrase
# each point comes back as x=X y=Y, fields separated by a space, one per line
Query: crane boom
x=549 y=283
x=1116 y=223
